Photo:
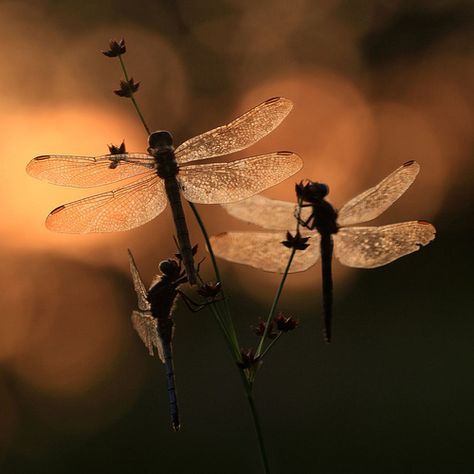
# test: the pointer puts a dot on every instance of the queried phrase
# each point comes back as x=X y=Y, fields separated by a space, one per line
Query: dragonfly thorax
x=160 y=146
x=324 y=218
x=162 y=297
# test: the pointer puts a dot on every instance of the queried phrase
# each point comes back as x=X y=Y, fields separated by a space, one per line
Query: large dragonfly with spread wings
x=361 y=247
x=160 y=175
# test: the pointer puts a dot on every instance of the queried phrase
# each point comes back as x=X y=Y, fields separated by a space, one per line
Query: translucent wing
x=217 y=183
x=266 y=212
x=140 y=289
x=244 y=131
x=88 y=171
x=264 y=250
x=120 y=209
x=370 y=247
x=374 y=201
x=147 y=328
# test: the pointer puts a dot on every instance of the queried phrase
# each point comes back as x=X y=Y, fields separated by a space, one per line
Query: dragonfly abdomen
x=170 y=380
x=172 y=191
x=326 y=261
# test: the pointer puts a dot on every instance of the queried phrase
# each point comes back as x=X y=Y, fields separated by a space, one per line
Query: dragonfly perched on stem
x=325 y=231
x=154 y=319
x=160 y=175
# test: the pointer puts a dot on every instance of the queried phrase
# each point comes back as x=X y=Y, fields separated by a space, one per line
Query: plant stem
x=264 y=353
x=228 y=318
x=225 y=323
x=275 y=302
x=208 y=243
x=247 y=380
x=258 y=431
x=276 y=299
x=124 y=69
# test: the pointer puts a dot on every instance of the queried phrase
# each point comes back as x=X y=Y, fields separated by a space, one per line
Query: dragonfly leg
x=306 y=223
x=199 y=265
x=191 y=304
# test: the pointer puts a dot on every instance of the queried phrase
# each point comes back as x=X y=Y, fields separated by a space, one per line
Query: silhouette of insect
x=163 y=172
x=362 y=247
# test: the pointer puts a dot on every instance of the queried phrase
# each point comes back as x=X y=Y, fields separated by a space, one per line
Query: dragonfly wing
x=217 y=183
x=121 y=209
x=140 y=289
x=370 y=247
x=88 y=171
x=266 y=212
x=374 y=201
x=264 y=250
x=147 y=328
x=244 y=131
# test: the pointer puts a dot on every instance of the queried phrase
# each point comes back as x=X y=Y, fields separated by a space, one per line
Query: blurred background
x=374 y=83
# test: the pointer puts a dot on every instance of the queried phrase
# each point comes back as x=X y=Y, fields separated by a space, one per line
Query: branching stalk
x=224 y=321
x=276 y=299
x=132 y=97
x=265 y=352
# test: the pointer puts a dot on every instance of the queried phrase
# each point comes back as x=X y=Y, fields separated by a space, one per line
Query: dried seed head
x=116 y=48
x=117 y=150
x=285 y=323
x=249 y=360
x=210 y=290
x=127 y=88
x=260 y=330
x=296 y=242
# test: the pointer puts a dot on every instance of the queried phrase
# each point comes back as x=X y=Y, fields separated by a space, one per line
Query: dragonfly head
x=170 y=268
x=160 y=140
x=311 y=191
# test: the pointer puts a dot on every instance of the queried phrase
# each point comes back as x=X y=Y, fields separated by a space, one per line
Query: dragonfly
x=327 y=231
x=153 y=320
x=158 y=177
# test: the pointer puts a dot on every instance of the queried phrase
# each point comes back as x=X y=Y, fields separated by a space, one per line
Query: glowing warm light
x=68 y=347
x=404 y=132
x=83 y=128
x=330 y=127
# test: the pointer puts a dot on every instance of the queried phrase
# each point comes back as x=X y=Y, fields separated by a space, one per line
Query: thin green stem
x=247 y=381
x=264 y=353
x=276 y=299
x=132 y=97
x=258 y=431
x=235 y=353
x=228 y=318
x=208 y=243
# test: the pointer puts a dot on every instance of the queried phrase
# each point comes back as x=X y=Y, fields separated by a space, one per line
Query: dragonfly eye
x=312 y=191
x=169 y=268
x=320 y=190
x=160 y=139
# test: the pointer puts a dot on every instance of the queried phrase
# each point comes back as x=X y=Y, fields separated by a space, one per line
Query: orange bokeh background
x=64 y=328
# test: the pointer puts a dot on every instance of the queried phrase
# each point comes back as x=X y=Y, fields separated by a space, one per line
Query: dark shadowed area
x=375 y=84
